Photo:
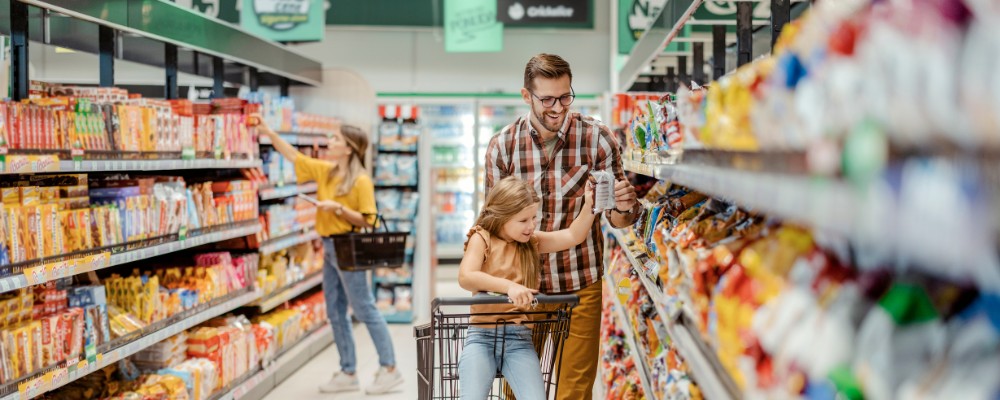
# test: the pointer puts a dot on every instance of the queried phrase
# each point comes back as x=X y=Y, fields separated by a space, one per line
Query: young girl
x=346 y=197
x=502 y=256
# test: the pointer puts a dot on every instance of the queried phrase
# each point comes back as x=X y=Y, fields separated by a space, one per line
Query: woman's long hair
x=357 y=140
x=507 y=198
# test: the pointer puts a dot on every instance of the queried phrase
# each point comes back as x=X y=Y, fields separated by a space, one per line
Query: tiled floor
x=303 y=385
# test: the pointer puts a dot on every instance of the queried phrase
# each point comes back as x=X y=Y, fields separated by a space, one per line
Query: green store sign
x=284 y=20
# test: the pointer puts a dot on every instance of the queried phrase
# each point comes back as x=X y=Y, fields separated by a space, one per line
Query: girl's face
x=339 y=149
x=522 y=225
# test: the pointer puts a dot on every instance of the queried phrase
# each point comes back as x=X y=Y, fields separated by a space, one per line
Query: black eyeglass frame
x=552 y=100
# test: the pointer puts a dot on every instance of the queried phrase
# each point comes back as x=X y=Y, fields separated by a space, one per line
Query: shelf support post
x=106 y=41
x=19 y=50
x=682 y=72
x=744 y=32
x=253 y=79
x=170 y=66
x=671 y=85
x=218 y=77
x=285 y=83
x=698 y=61
x=780 y=15
x=718 y=51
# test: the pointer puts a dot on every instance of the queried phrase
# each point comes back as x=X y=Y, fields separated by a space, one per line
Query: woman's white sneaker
x=341 y=382
x=385 y=381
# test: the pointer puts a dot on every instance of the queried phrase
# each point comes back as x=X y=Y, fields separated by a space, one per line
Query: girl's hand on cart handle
x=520 y=295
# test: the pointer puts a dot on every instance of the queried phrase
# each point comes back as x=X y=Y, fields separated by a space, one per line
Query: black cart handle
x=485 y=298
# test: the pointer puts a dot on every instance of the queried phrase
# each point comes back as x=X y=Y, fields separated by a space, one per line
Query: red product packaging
x=53 y=349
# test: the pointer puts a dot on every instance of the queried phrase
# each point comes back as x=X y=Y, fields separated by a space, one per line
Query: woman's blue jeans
x=343 y=288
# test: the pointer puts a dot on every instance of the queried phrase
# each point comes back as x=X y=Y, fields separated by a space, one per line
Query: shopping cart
x=440 y=343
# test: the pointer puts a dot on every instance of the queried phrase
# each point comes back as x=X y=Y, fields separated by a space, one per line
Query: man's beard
x=540 y=117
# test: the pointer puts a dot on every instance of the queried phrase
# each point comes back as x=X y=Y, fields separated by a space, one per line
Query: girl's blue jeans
x=484 y=349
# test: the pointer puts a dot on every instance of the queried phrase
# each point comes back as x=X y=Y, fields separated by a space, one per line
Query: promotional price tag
x=35 y=275
x=61 y=269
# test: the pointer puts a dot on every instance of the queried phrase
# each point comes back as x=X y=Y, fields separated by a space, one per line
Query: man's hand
x=625 y=197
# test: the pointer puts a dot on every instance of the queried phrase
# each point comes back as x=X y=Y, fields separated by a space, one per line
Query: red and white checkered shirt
x=583 y=144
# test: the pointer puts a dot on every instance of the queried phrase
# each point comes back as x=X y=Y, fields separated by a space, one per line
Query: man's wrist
x=629 y=211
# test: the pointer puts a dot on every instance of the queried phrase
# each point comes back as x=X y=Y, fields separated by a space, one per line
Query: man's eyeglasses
x=565 y=99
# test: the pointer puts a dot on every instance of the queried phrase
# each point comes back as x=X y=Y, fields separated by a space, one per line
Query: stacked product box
x=44 y=326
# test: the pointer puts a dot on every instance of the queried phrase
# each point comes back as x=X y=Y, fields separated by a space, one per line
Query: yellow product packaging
x=11 y=196
x=52 y=231
x=29 y=196
x=15 y=239
x=35 y=342
x=10 y=345
x=28 y=232
x=85 y=228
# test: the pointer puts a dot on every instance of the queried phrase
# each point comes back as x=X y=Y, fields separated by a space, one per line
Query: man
x=556 y=150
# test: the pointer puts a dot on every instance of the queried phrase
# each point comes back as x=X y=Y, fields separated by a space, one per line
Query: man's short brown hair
x=549 y=66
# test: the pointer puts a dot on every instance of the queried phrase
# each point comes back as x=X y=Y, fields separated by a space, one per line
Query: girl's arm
x=288 y=151
x=472 y=278
x=551 y=242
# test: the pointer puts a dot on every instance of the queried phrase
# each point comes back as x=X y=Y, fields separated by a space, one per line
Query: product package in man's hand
x=604 y=190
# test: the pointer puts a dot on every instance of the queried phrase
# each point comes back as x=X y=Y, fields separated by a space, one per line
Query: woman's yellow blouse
x=361 y=198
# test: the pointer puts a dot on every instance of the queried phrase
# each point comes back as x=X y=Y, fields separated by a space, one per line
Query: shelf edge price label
x=35 y=275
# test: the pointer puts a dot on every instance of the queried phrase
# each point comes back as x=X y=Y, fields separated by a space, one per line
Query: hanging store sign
x=545 y=13
x=471 y=26
x=284 y=20
x=634 y=17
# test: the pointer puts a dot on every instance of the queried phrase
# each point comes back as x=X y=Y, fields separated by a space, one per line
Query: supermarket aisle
x=302 y=385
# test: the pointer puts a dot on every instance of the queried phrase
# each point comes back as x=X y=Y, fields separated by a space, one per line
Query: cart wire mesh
x=440 y=343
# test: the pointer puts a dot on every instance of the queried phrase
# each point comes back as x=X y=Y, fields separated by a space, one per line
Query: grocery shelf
x=66 y=268
x=289 y=240
x=392 y=281
x=150 y=23
x=706 y=369
x=289 y=292
x=450 y=250
x=398 y=151
x=395 y=186
x=638 y=356
x=823 y=203
x=281 y=192
x=455 y=189
x=397 y=317
x=286 y=363
x=298 y=139
x=68 y=166
x=52 y=379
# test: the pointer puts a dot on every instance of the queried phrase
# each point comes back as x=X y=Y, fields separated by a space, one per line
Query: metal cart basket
x=440 y=343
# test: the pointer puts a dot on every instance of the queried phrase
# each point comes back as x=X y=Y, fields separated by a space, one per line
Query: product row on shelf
x=213 y=360
x=47 y=216
x=70 y=122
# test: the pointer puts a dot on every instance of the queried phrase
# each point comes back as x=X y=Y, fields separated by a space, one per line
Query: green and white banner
x=284 y=20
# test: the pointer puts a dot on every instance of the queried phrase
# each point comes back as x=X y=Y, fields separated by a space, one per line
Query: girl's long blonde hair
x=507 y=198
x=357 y=140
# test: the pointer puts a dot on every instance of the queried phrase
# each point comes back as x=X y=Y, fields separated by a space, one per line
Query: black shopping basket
x=440 y=343
x=359 y=251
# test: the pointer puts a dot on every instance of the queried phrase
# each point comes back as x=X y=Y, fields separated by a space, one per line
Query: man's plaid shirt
x=583 y=144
